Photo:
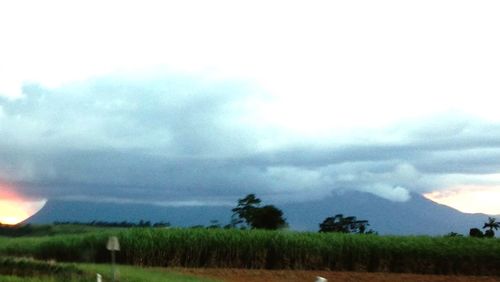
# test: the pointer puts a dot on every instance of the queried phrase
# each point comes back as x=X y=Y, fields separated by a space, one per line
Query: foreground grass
x=22 y=269
x=140 y=274
x=257 y=249
x=43 y=278
x=5 y=278
x=26 y=269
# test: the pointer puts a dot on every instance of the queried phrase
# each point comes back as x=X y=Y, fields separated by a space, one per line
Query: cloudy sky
x=202 y=102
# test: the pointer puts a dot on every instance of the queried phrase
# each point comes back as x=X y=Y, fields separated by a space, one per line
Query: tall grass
x=271 y=250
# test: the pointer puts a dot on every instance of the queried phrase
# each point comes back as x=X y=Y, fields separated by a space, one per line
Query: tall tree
x=244 y=211
x=250 y=212
x=268 y=217
x=491 y=224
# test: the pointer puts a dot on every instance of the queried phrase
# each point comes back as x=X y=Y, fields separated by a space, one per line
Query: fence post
x=113 y=245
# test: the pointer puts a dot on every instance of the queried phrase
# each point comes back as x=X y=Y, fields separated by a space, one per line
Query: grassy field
x=39 y=230
x=23 y=269
x=255 y=249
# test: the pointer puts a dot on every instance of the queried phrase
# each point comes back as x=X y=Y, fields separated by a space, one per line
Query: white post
x=321 y=279
x=113 y=265
x=99 y=277
x=113 y=245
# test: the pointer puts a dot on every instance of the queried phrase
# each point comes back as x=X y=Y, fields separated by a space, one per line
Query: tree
x=475 y=232
x=244 y=211
x=268 y=217
x=339 y=223
x=248 y=211
x=491 y=224
x=453 y=234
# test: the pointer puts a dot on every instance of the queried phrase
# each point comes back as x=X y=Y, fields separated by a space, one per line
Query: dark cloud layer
x=175 y=139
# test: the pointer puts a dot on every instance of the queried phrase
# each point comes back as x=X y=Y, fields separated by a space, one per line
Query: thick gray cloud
x=173 y=139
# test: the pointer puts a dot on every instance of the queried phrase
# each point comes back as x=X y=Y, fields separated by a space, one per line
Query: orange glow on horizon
x=15 y=208
x=469 y=199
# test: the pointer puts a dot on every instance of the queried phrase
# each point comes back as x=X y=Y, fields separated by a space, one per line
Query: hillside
x=416 y=216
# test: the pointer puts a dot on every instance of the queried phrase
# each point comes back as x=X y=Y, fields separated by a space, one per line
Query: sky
x=203 y=102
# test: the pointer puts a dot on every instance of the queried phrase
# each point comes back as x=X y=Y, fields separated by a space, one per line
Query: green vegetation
x=268 y=249
x=490 y=225
x=12 y=269
x=342 y=244
x=43 y=278
x=22 y=269
x=249 y=213
x=141 y=274
x=141 y=223
x=74 y=227
x=349 y=224
x=47 y=230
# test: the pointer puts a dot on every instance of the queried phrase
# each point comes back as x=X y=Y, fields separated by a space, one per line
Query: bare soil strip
x=247 y=275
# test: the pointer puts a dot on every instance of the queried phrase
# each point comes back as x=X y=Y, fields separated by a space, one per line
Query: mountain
x=418 y=216
x=114 y=212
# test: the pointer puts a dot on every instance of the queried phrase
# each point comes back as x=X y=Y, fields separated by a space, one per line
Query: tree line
x=141 y=223
x=250 y=214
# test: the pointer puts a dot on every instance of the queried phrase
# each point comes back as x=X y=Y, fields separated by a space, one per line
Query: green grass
x=30 y=230
x=22 y=269
x=139 y=274
x=43 y=278
x=34 y=270
x=5 y=278
x=268 y=249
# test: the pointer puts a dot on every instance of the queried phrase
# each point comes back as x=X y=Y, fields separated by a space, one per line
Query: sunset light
x=469 y=199
x=250 y=140
x=15 y=208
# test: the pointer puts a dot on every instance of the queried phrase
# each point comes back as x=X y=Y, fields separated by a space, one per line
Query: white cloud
x=393 y=193
x=328 y=65
x=187 y=140
x=387 y=96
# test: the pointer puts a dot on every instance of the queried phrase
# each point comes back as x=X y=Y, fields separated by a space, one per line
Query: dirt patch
x=246 y=275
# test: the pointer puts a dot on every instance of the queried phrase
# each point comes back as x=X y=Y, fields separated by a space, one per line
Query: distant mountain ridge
x=81 y=211
x=418 y=216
